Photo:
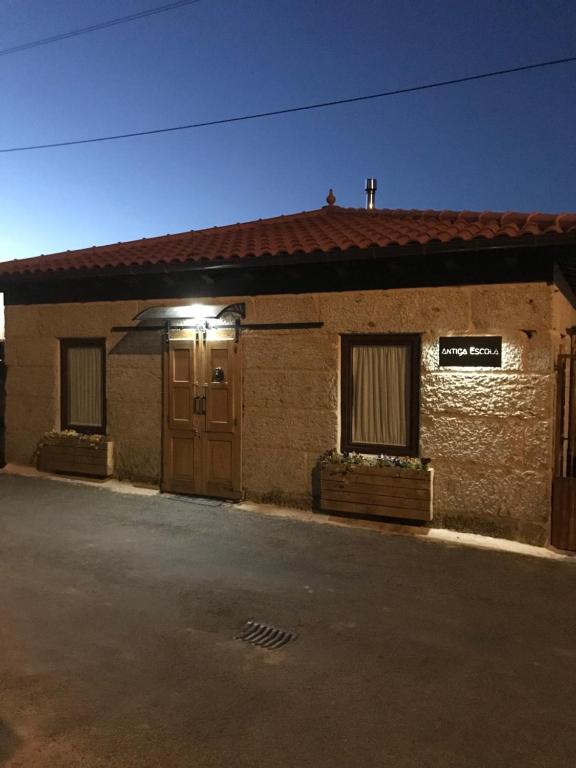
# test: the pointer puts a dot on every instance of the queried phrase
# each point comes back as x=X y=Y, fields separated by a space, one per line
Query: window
x=83 y=378
x=381 y=394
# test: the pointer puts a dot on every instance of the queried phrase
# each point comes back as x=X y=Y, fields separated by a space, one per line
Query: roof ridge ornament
x=330 y=198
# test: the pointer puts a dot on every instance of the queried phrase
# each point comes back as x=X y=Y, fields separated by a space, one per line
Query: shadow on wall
x=139 y=343
x=9 y=742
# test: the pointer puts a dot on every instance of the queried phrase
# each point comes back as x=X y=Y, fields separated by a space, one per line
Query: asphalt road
x=118 y=617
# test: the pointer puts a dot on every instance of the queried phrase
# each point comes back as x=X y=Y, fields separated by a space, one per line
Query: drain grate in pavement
x=265 y=636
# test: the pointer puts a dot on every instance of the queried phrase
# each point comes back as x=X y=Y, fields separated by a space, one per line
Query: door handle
x=199 y=405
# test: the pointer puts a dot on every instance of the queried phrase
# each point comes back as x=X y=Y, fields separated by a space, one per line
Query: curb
x=440 y=535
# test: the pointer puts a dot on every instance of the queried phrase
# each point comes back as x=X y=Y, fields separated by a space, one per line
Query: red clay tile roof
x=327 y=229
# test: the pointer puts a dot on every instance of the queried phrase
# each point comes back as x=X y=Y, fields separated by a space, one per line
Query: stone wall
x=488 y=431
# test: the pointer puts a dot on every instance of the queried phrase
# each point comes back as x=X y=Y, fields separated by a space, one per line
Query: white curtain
x=85 y=386
x=379 y=395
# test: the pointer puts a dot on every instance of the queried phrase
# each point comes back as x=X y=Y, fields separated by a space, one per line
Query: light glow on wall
x=198 y=311
x=512 y=354
x=203 y=330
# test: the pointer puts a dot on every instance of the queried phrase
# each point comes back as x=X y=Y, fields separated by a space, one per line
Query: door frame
x=198 y=337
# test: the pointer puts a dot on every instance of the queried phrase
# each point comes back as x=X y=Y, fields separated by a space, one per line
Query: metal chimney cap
x=371 y=187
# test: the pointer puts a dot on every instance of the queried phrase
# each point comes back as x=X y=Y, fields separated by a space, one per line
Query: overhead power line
x=97 y=27
x=291 y=110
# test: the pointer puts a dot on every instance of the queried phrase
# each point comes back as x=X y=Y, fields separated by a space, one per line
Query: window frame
x=412 y=342
x=65 y=345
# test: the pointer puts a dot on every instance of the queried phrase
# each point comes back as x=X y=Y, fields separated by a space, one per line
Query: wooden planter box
x=73 y=456
x=385 y=491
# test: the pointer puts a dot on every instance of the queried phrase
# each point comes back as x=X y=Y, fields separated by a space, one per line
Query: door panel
x=182 y=407
x=181 y=362
x=221 y=376
x=181 y=365
x=183 y=458
x=181 y=444
x=219 y=463
x=202 y=425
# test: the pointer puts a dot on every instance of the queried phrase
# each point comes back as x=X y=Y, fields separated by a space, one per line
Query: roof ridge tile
x=326 y=229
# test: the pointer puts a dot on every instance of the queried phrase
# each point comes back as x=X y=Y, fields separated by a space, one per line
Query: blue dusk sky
x=506 y=143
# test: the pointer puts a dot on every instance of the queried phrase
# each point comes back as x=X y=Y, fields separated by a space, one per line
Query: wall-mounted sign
x=470 y=351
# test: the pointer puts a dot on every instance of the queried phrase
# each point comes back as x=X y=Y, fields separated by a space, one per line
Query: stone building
x=225 y=361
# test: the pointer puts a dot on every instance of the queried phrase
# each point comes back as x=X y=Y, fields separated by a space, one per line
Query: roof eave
x=299 y=257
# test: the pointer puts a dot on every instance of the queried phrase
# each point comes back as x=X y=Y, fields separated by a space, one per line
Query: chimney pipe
x=371 y=187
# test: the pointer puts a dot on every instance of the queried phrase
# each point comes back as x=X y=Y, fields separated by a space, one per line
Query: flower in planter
x=72 y=436
x=403 y=462
x=335 y=457
x=350 y=459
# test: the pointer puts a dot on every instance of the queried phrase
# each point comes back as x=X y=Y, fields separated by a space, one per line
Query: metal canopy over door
x=202 y=416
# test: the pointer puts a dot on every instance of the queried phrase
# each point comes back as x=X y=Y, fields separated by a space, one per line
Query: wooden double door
x=202 y=419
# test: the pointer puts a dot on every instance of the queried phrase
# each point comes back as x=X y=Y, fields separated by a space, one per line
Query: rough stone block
x=31 y=414
x=290 y=350
x=477 y=490
x=310 y=430
x=135 y=385
x=488 y=441
x=488 y=394
x=563 y=313
x=150 y=365
x=298 y=308
x=284 y=389
x=275 y=471
x=535 y=533
x=397 y=310
x=539 y=353
x=31 y=381
x=514 y=306
x=27 y=419
x=140 y=425
x=348 y=312
x=21 y=445
x=538 y=444
x=443 y=310
x=22 y=321
x=25 y=351
x=94 y=319
x=136 y=460
x=137 y=436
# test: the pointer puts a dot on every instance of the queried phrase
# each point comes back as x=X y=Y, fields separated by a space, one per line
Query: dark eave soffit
x=472 y=263
x=315 y=257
